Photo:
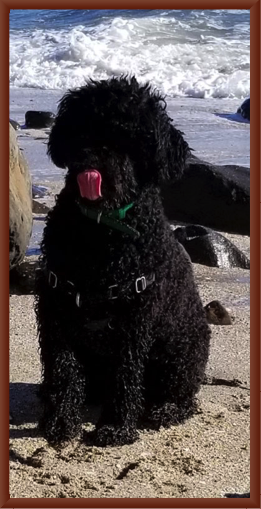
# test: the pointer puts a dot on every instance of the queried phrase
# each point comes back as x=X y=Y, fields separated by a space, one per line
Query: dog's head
x=115 y=138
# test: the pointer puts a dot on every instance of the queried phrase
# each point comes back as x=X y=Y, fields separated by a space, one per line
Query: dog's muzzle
x=89 y=182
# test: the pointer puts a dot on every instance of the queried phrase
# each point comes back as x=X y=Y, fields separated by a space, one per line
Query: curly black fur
x=150 y=360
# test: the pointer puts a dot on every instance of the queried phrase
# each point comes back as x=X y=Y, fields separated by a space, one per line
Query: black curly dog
x=120 y=320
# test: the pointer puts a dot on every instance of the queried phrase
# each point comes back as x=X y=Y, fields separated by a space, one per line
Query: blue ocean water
x=195 y=53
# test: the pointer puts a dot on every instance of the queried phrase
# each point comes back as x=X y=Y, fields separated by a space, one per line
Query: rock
x=210 y=248
x=217 y=314
x=40 y=208
x=39 y=119
x=14 y=124
x=237 y=495
x=22 y=277
x=20 y=202
x=39 y=191
x=244 y=109
x=213 y=196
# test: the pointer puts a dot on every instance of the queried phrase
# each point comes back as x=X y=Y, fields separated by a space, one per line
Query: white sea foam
x=202 y=58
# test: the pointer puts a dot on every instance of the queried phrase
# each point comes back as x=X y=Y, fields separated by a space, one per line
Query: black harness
x=113 y=292
x=112 y=220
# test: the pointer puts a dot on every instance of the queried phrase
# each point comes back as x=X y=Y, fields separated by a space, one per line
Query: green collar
x=120 y=213
x=111 y=219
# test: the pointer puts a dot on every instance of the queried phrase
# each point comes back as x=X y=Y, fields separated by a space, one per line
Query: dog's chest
x=97 y=256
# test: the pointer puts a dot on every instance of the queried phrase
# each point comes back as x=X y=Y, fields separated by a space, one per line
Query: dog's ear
x=171 y=154
x=160 y=146
x=56 y=146
x=64 y=145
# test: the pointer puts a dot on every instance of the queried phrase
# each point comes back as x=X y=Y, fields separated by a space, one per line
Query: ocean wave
x=195 y=57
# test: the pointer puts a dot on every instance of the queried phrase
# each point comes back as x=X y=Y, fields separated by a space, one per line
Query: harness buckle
x=110 y=325
x=78 y=300
x=112 y=295
x=52 y=279
x=99 y=217
x=70 y=288
x=140 y=284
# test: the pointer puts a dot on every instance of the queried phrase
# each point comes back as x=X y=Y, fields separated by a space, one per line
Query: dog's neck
x=124 y=218
x=112 y=219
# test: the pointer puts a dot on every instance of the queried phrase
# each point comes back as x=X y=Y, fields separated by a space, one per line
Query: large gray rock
x=40 y=208
x=14 y=124
x=39 y=119
x=208 y=247
x=214 y=196
x=244 y=109
x=20 y=202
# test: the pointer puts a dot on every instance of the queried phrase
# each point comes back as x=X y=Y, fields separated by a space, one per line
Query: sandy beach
x=199 y=59
x=208 y=456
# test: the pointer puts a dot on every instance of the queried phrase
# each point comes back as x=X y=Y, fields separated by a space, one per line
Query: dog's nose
x=89 y=182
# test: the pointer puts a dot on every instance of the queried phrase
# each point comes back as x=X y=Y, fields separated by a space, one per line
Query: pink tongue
x=89 y=182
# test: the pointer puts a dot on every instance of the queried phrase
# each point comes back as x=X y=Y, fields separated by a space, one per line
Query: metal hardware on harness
x=72 y=285
x=111 y=296
x=78 y=300
x=99 y=217
x=110 y=325
x=143 y=282
x=50 y=276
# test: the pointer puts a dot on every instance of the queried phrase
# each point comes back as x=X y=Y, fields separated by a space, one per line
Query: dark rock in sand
x=22 y=278
x=210 y=248
x=217 y=314
x=40 y=208
x=237 y=495
x=39 y=119
x=244 y=109
x=213 y=196
x=14 y=124
x=20 y=202
x=39 y=191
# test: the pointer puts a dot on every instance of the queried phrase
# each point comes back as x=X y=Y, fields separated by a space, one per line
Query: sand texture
x=208 y=456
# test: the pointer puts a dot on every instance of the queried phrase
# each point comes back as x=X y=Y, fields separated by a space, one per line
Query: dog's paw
x=58 y=431
x=165 y=416
x=109 y=435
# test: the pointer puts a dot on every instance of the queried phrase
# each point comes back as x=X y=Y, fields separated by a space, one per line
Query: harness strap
x=99 y=325
x=113 y=291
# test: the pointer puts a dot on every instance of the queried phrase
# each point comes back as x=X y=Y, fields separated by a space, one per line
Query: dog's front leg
x=63 y=393
x=63 y=380
x=118 y=422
